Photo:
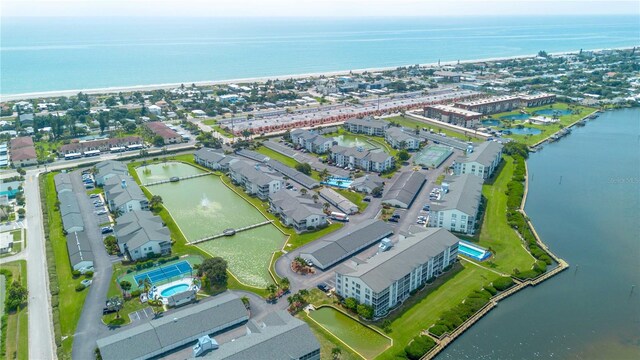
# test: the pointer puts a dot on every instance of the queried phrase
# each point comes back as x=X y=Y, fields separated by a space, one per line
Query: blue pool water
x=516 y=117
x=551 y=112
x=473 y=251
x=175 y=289
x=490 y=122
x=342 y=183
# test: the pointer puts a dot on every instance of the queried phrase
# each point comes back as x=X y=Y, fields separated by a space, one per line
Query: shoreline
x=164 y=86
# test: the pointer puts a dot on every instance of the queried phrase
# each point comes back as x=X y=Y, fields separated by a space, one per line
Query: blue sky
x=325 y=8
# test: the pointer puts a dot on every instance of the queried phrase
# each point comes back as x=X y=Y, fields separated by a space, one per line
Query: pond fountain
x=204 y=202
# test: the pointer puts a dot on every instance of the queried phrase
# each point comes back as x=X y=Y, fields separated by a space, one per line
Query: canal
x=584 y=200
x=204 y=206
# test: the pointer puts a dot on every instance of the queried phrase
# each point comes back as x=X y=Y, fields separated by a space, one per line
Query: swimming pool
x=175 y=289
x=342 y=183
x=473 y=251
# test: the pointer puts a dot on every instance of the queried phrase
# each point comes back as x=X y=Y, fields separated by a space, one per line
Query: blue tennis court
x=165 y=272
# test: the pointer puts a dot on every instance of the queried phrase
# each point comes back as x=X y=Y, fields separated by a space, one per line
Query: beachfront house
x=388 y=278
x=459 y=204
x=480 y=161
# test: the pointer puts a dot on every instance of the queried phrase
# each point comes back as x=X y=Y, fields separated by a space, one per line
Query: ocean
x=584 y=200
x=52 y=54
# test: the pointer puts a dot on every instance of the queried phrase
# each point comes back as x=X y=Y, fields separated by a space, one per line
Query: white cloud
x=326 y=8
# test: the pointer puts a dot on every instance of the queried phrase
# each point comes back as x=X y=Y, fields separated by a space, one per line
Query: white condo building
x=387 y=279
x=457 y=209
x=482 y=161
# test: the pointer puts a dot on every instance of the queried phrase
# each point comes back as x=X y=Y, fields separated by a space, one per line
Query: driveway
x=90 y=326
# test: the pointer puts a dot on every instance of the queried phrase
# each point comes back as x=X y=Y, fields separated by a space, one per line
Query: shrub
x=419 y=346
x=365 y=311
x=502 y=283
x=75 y=274
x=80 y=287
x=490 y=289
x=351 y=303
x=136 y=293
x=88 y=274
x=438 y=329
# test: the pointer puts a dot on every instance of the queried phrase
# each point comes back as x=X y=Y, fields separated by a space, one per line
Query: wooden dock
x=207 y=238
x=179 y=179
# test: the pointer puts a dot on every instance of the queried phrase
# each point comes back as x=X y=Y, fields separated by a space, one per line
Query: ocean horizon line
x=161 y=86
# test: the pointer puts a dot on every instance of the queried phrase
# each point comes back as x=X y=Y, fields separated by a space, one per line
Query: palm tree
x=271 y=289
x=315 y=198
x=303 y=191
x=115 y=304
x=284 y=283
x=336 y=352
x=324 y=174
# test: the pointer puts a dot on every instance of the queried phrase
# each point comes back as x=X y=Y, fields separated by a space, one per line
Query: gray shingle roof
x=62 y=182
x=383 y=269
x=209 y=155
x=79 y=248
x=465 y=193
x=406 y=187
x=280 y=337
x=484 y=153
x=293 y=174
x=165 y=333
x=137 y=228
x=121 y=195
x=296 y=207
x=109 y=168
x=398 y=134
x=331 y=250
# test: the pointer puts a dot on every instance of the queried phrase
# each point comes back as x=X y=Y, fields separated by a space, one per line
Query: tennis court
x=163 y=273
x=433 y=155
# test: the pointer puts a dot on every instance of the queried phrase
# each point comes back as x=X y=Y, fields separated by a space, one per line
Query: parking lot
x=144 y=314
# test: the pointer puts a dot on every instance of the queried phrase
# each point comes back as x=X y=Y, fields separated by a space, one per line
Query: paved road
x=41 y=343
x=90 y=326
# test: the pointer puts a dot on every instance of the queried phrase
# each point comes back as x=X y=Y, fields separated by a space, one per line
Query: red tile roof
x=21 y=142
x=23 y=153
x=161 y=129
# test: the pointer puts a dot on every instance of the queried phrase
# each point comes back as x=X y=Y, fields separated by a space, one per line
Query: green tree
x=304 y=168
x=284 y=284
x=115 y=303
x=215 y=269
x=351 y=303
x=16 y=296
x=365 y=311
x=155 y=202
x=377 y=191
x=158 y=141
x=403 y=155
x=125 y=286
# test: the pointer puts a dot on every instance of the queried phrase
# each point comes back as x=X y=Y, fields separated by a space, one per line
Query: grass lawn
x=495 y=232
x=547 y=130
x=328 y=342
x=277 y=156
x=354 y=197
x=214 y=125
x=94 y=191
x=17 y=331
x=412 y=123
x=70 y=300
x=439 y=298
x=359 y=337
x=297 y=240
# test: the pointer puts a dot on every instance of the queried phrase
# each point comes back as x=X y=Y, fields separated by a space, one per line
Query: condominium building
x=400 y=139
x=453 y=115
x=533 y=100
x=367 y=125
x=481 y=160
x=377 y=161
x=491 y=105
x=457 y=208
x=254 y=181
x=298 y=211
x=311 y=141
x=387 y=279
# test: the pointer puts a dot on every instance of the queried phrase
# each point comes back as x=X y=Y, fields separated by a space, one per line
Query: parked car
x=101 y=212
x=367 y=199
x=94 y=196
x=324 y=287
x=106 y=229
x=86 y=282
x=392 y=219
x=106 y=311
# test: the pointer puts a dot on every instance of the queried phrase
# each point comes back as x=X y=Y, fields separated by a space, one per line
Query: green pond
x=361 y=338
x=353 y=141
x=205 y=206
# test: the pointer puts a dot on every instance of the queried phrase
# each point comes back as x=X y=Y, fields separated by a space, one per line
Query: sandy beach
x=118 y=89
